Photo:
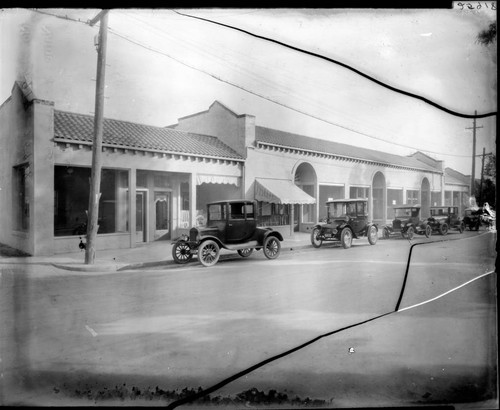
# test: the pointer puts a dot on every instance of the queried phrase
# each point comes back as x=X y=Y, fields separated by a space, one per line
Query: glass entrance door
x=163 y=215
x=140 y=216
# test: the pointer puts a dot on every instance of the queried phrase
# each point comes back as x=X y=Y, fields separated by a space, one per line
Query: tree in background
x=487 y=193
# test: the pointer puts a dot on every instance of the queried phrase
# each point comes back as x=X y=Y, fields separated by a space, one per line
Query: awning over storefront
x=216 y=179
x=280 y=191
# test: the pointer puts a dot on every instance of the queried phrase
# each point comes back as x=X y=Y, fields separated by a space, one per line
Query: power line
x=331 y=60
x=147 y=47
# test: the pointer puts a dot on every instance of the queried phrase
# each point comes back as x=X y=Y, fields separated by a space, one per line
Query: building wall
x=16 y=148
x=236 y=131
x=282 y=164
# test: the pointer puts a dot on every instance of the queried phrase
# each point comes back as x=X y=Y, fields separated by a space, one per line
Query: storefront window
x=72 y=190
x=273 y=214
x=412 y=197
x=358 y=192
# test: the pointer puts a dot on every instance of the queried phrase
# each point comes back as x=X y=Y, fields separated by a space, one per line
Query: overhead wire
x=331 y=60
x=218 y=78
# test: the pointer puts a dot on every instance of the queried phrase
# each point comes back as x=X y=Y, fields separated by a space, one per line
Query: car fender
x=271 y=232
x=210 y=237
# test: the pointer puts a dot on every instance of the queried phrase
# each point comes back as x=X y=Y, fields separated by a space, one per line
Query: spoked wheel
x=272 y=247
x=315 y=240
x=443 y=229
x=245 y=253
x=346 y=238
x=410 y=232
x=372 y=235
x=428 y=231
x=461 y=228
x=386 y=234
x=181 y=252
x=208 y=253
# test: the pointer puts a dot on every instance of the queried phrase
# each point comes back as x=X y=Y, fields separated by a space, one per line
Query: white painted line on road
x=92 y=331
x=445 y=293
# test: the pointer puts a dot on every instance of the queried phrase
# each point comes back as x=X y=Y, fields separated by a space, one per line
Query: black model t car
x=407 y=222
x=232 y=225
x=346 y=219
x=444 y=218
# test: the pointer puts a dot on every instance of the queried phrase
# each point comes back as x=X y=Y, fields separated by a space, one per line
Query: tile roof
x=454 y=177
x=289 y=140
x=124 y=134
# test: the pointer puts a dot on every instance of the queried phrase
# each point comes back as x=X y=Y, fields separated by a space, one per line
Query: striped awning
x=280 y=191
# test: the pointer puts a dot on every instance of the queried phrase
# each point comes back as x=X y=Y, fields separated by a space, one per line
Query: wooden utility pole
x=473 y=174
x=95 y=180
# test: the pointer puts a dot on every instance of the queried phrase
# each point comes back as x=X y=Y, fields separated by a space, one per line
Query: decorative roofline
x=262 y=144
x=163 y=153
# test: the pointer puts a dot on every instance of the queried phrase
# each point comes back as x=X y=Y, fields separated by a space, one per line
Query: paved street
x=66 y=336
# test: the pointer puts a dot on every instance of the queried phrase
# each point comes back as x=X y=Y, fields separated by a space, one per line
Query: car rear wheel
x=245 y=253
x=272 y=247
x=461 y=228
x=443 y=229
x=208 y=253
x=315 y=240
x=346 y=238
x=372 y=235
x=428 y=231
x=410 y=232
x=476 y=228
x=181 y=252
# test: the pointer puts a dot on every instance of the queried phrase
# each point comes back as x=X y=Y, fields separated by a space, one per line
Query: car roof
x=347 y=200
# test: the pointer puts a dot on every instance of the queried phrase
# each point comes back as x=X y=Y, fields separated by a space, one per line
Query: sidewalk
x=158 y=253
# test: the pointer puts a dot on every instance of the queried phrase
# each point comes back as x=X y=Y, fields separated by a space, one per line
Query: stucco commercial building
x=156 y=181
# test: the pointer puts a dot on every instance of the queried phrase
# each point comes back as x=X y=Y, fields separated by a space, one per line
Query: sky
x=161 y=66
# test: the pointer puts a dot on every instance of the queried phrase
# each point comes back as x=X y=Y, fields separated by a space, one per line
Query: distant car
x=407 y=222
x=444 y=218
x=472 y=218
x=346 y=219
x=232 y=225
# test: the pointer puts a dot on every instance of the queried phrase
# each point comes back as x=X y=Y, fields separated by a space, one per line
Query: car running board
x=251 y=244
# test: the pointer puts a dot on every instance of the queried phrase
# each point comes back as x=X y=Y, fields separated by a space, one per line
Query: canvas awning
x=280 y=191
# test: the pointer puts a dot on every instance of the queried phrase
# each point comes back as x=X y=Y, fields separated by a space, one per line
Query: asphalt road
x=126 y=338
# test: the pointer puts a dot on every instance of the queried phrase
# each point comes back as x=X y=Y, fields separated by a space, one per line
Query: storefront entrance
x=140 y=216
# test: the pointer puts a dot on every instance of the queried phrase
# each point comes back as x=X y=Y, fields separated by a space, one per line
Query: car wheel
x=245 y=253
x=272 y=247
x=428 y=231
x=443 y=229
x=461 y=228
x=181 y=252
x=372 y=235
x=346 y=238
x=208 y=253
x=410 y=232
x=476 y=228
x=315 y=240
x=385 y=233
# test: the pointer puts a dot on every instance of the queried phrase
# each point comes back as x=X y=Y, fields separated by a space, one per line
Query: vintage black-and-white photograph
x=249 y=207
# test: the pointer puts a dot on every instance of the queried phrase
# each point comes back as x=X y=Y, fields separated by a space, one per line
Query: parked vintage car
x=346 y=219
x=232 y=225
x=474 y=217
x=444 y=218
x=407 y=222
